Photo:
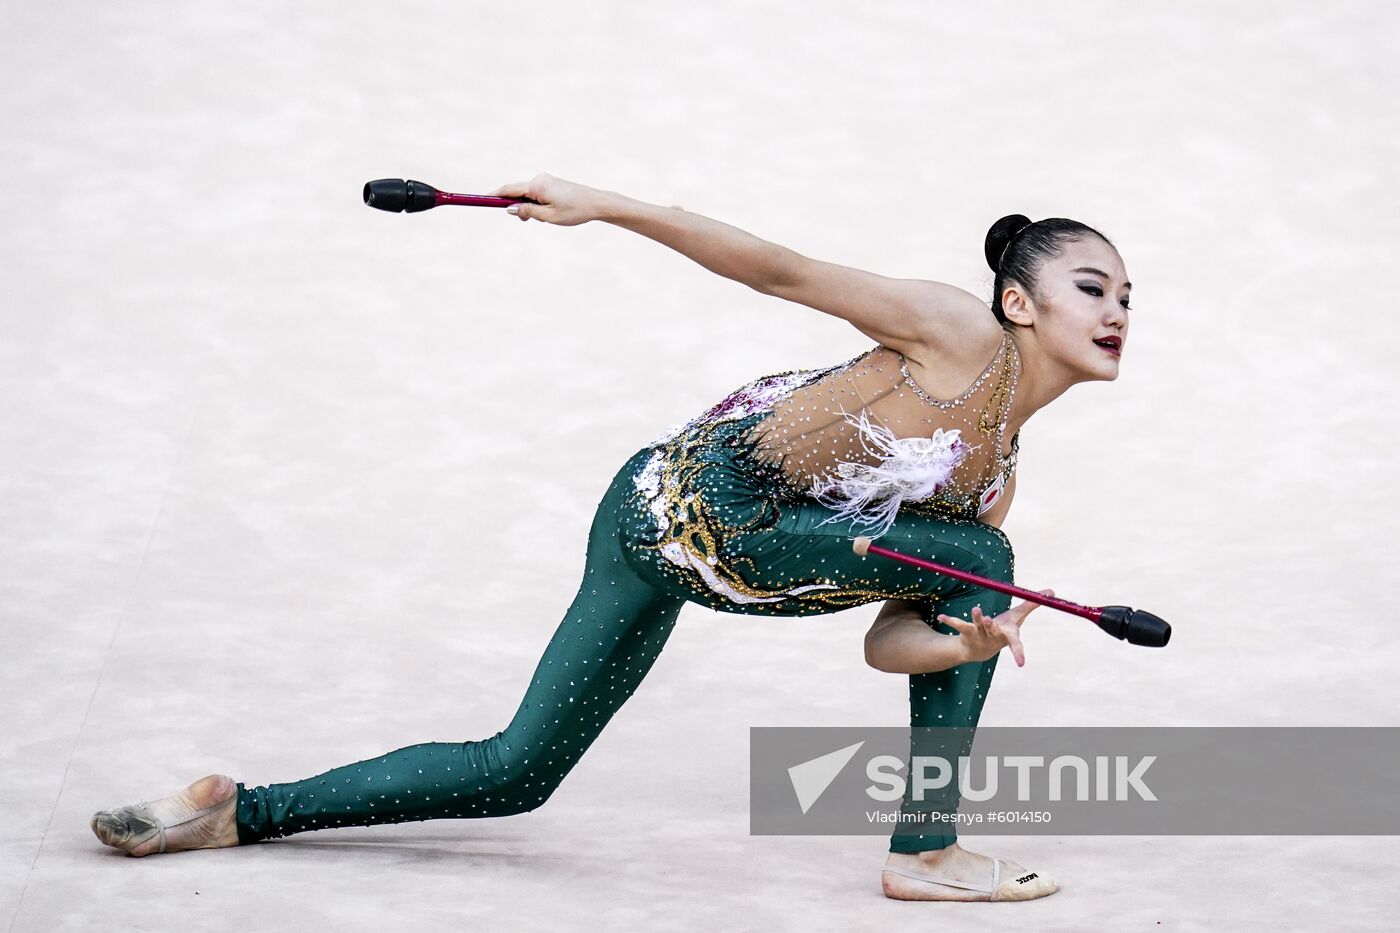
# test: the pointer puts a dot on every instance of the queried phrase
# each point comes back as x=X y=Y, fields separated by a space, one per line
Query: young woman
x=751 y=507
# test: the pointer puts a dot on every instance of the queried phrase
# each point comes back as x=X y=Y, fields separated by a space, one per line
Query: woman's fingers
x=521 y=189
x=954 y=621
x=1013 y=640
x=516 y=189
x=528 y=211
x=962 y=626
x=1007 y=630
x=1025 y=608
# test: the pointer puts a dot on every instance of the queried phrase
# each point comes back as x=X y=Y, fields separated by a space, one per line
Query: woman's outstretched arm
x=907 y=315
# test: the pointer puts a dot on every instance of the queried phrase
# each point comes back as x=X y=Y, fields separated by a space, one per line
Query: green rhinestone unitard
x=696 y=516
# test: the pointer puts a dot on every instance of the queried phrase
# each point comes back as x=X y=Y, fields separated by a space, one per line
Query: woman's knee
x=516 y=770
x=967 y=545
x=995 y=553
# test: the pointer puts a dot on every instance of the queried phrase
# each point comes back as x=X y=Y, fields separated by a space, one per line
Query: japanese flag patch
x=992 y=494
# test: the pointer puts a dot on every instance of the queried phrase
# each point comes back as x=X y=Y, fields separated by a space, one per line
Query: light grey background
x=288 y=482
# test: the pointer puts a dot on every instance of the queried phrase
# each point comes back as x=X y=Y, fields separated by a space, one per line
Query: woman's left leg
x=607 y=642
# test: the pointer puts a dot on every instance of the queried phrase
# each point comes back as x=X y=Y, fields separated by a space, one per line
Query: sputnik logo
x=810 y=779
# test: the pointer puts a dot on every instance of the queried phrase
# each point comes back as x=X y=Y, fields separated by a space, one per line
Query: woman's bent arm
x=901 y=642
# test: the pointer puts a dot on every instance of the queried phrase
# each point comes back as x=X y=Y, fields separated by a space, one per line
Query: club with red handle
x=410 y=197
x=1133 y=625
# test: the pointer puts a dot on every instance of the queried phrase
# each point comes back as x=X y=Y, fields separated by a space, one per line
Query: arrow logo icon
x=810 y=779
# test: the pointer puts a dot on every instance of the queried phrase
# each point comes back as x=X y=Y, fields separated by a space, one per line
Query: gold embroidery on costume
x=690 y=531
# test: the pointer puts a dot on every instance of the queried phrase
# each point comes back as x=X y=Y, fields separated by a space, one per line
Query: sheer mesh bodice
x=864 y=438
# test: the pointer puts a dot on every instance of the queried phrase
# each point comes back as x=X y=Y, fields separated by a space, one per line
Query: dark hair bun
x=1000 y=234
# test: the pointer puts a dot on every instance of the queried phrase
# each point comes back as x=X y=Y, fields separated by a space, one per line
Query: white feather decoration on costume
x=910 y=468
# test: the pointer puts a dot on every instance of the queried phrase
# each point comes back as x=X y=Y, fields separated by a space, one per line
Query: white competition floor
x=287 y=483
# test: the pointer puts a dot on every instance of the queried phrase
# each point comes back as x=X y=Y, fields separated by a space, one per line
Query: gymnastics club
x=396 y=194
x=1134 y=625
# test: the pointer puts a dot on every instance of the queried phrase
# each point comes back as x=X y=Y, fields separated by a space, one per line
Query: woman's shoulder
x=936 y=316
x=955 y=350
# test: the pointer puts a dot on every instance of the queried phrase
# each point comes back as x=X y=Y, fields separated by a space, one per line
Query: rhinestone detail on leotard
x=818 y=436
x=993 y=417
x=943 y=403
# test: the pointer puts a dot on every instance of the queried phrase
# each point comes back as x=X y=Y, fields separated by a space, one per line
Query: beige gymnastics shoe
x=1024 y=886
x=199 y=817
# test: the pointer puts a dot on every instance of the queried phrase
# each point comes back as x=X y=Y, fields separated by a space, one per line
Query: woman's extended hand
x=984 y=636
x=559 y=202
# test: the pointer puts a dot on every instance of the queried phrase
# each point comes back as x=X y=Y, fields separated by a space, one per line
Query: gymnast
x=751 y=507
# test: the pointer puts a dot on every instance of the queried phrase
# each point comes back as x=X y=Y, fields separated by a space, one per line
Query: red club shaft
x=476 y=200
x=1092 y=613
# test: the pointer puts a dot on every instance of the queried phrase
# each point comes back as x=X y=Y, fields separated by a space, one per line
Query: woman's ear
x=1017 y=305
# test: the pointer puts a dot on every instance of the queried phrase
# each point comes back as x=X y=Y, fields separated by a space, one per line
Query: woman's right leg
x=711 y=528
x=708 y=521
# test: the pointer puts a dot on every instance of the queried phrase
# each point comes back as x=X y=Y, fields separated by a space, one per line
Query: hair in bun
x=1001 y=234
x=1016 y=247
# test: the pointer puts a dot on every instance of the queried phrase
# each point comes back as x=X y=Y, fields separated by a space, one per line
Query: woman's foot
x=924 y=876
x=199 y=817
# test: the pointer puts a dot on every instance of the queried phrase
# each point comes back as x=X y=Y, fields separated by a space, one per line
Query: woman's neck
x=1041 y=380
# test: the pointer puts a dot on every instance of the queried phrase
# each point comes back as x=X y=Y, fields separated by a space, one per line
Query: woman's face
x=1083 y=297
